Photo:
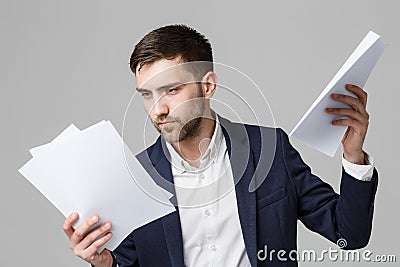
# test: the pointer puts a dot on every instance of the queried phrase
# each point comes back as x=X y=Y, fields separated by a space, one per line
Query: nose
x=160 y=107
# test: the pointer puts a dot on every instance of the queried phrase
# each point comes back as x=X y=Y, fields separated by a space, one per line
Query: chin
x=170 y=137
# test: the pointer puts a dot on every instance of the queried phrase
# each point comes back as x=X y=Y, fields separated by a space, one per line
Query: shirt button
x=201 y=175
x=207 y=212
x=213 y=247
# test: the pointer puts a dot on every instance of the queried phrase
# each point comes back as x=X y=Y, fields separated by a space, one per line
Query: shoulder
x=267 y=143
x=267 y=135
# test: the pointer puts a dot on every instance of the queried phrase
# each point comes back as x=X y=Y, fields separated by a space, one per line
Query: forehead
x=161 y=72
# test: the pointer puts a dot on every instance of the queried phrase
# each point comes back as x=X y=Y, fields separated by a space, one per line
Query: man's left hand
x=358 y=120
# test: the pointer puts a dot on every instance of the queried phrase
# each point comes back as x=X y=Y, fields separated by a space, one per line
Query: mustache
x=164 y=119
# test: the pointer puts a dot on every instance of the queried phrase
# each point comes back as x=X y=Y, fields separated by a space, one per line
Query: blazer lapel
x=162 y=174
x=242 y=163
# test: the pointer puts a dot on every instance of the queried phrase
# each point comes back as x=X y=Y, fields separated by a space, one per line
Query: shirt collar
x=209 y=156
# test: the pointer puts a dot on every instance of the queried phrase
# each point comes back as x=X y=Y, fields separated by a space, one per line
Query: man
x=197 y=147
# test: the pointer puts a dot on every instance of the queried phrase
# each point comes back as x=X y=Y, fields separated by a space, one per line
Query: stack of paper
x=315 y=128
x=87 y=172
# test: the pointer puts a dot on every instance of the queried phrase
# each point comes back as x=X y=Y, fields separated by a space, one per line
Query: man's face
x=172 y=99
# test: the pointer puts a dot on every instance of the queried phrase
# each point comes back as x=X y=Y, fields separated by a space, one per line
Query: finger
x=93 y=236
x=355 y=103
x=350 y=122
x=359 y=92
x=90 y=253
x=82 y=229
x=69 y=221
x=351 y=113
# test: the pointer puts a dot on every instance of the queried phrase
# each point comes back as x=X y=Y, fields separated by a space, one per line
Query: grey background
x=67 y=61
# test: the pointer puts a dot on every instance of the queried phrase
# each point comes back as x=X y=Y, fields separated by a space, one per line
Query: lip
x=165 y=123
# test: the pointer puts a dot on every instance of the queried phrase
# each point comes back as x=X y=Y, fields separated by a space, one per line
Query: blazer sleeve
x=126 y=254
x=346 y=216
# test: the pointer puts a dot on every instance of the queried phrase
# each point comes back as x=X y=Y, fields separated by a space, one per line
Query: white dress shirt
x=211 y=230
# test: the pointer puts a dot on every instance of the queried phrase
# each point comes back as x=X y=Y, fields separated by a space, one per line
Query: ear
x=209 y=84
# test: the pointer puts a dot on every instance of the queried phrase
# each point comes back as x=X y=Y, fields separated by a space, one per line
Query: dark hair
x=169 y=42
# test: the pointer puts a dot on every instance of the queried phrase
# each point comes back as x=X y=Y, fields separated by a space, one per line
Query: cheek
x=147 y=106
x=183 y=103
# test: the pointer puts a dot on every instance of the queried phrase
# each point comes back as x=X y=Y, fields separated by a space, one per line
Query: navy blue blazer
x=262 y=158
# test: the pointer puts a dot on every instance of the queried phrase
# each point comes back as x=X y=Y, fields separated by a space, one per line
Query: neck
x=192 y=149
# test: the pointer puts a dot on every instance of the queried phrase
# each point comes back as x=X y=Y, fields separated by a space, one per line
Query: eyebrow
x=169 y=85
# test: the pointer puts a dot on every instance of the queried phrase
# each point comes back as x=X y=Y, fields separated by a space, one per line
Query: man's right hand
x=85 y=244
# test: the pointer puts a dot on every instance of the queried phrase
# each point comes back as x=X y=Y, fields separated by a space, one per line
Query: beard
x=186 y=126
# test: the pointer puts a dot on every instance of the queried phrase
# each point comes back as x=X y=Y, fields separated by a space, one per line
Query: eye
x=172 y=90
x=146 y=95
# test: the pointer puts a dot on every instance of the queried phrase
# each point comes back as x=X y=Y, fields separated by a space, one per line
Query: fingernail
x=94 y=218
x=107 y=225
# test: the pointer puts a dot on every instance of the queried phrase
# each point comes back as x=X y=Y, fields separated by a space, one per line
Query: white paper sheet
x=69 y=131
x=315 y=128
x=86 y=171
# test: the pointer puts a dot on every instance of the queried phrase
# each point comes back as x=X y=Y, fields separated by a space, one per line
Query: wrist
x=108 y=260
x=356 y=158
